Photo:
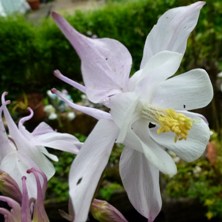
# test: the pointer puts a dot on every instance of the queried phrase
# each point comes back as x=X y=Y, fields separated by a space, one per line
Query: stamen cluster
x=178 y=123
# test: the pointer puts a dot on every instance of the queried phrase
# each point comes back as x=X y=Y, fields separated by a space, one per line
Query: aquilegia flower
x=148 y=112
x=22 y=150
x=25 y=209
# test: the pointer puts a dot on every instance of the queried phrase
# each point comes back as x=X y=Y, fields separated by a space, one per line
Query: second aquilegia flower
x=148 y=112
x=22 y=150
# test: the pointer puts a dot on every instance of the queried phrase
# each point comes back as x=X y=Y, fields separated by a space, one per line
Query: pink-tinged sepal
x=25 y=206
x=39 y=213
x=95 y=113
x=105 y=62
x=14 y=213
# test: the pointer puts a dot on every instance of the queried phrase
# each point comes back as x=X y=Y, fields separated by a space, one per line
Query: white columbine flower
x=22 y=150
x=148 y=112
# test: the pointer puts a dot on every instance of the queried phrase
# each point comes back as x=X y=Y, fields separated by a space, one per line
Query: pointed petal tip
x=54 y=15
x=57 y=17
x=201 y=3
x=197 y=5
x=173 y=173
x=24 y=178
x=56 y=72
x=54 y=90
x=5 y=93
x=5 y=102
x=3 y=96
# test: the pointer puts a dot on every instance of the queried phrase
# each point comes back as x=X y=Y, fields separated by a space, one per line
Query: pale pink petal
x=41 y=129
x=88 y=166
x=76 y=85
x=96 y=113
x=191 y=148
x=60 y=141
x=14 y=133
x=43 y=132
x=191 y=90
x=26 y=211
x=105 y=63
x=172 y=31
x=39 y=213
x=45 y=136
x=25 y=119
x=14 y=214
x=141 y=181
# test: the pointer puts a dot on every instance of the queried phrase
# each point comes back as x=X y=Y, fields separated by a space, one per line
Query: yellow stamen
x=178 y=123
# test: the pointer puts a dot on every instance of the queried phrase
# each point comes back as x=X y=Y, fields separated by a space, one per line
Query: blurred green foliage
x=29 y=54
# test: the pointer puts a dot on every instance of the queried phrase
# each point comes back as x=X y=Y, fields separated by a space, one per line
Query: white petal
x=36 y=155
x=41 y=129
x=140 y=140
x=191 y=90
x=61 y=141
x=141 y=181
x=123 y=108
x=195 y=145
x=88 y=166
x=49 y=155
x=172 y=31
x=44 y=136
x=160 y=67
x=17 y=137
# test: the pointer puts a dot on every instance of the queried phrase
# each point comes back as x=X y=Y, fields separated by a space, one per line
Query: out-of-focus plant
x=19 y=106
x=56 y=109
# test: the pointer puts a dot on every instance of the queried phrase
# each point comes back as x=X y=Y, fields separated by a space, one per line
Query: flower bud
x=9 y=188
x=105 y=212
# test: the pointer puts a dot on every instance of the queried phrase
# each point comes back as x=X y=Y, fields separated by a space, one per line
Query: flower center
x=169 y=121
